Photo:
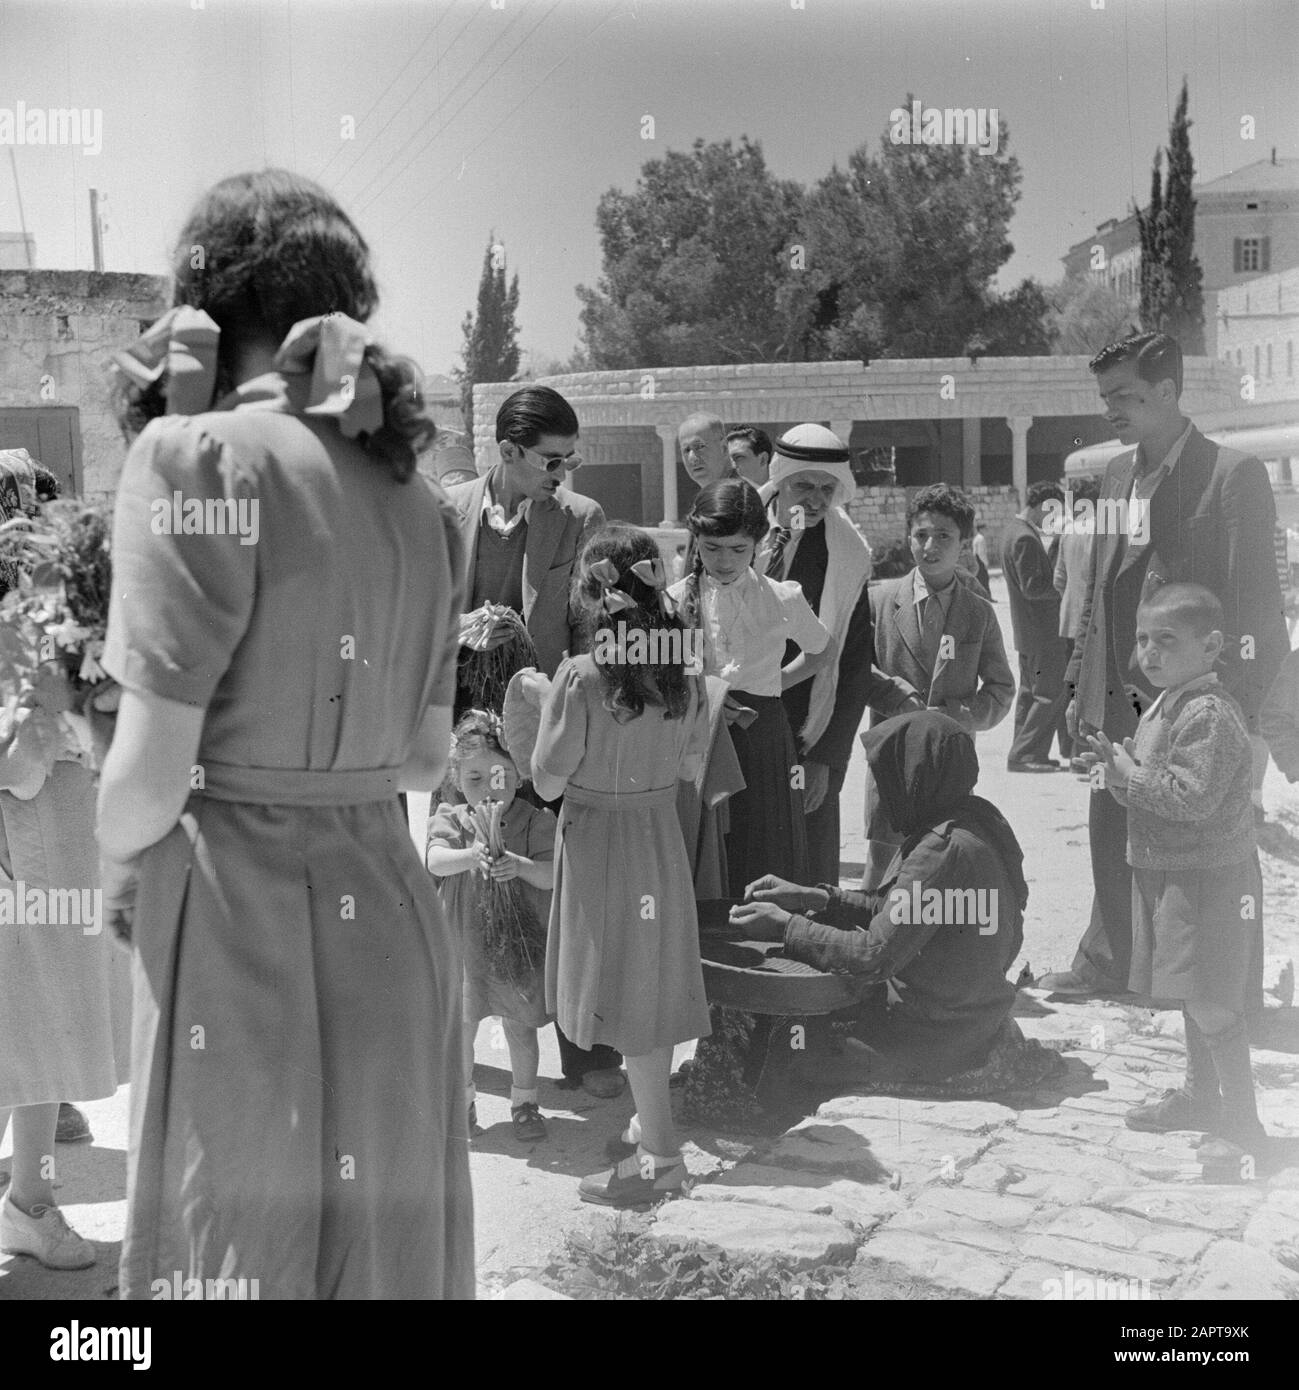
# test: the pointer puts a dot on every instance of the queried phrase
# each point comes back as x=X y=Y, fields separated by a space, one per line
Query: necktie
x=931 y=630
x=776 y=560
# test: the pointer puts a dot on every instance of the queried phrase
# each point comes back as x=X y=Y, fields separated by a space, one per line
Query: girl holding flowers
x=498 y=896
x=63 y=995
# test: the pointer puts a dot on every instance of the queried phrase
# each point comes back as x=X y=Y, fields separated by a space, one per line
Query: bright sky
x=515 y=115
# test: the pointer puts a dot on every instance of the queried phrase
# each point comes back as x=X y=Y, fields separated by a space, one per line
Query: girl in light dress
x=619 y=728
x=481 y=768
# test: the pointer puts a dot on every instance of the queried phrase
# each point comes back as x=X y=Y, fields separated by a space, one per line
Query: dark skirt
x=1198 y=934
x=768 y=833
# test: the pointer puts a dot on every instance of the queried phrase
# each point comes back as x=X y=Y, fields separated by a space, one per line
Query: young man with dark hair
x=1029 y=571
x=749 y=449
x=1206 y=516
x=523 y=529
x=523 y=533
x=939 y=637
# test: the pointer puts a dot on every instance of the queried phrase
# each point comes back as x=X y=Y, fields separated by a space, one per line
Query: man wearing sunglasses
x=523 y=529
x=523 y=533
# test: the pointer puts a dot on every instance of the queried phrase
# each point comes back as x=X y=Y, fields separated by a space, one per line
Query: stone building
x=1246 y=224
x=57 y=331
x=1258 y=328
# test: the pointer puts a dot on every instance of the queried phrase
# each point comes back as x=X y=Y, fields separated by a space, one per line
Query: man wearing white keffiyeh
x=822 y=550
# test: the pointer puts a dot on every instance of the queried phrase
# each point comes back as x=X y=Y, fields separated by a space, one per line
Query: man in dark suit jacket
x=523 y=532
x=1175 y=507
x=1035 y=623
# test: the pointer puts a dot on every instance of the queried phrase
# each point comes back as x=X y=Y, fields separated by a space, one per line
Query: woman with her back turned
x=296 y=1096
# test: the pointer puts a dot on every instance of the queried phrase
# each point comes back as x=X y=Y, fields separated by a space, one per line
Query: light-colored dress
x=622 y=960
x=297 y=1113
x=526 y=830
x=64 y=988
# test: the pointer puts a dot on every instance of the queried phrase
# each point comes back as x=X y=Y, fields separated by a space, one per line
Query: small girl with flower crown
x=482 y=770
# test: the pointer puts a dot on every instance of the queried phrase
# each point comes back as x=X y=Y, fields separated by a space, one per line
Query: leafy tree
x=712 y=259
x=1172 y=295
x=535 y=367
x=491 y=350
x=1083 y=316
x=1017 y=324
x=902 y=248
x=694 y=263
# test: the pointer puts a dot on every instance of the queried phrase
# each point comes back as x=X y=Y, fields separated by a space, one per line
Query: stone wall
x=881 y=514
x=57 y=331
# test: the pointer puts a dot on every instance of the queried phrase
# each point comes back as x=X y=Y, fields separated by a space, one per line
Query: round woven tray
x=757 y=977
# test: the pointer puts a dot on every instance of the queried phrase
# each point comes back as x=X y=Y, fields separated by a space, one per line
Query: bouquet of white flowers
x=54 y=695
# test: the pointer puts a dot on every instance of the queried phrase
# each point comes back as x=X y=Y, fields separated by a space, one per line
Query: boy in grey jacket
x=1196 y=885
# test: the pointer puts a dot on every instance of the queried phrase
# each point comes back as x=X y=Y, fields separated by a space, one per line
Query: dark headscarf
x=925 y=769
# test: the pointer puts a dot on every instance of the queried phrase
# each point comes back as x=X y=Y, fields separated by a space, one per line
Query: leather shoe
x=72 y=1126
x=631 y=1185
x=1074 y=986
x=1050 y=765
x=45 y=1234
x=1173 y=1111
x=606 y=1084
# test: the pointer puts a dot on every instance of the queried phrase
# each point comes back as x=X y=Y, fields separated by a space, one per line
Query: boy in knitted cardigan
x=1196 y=885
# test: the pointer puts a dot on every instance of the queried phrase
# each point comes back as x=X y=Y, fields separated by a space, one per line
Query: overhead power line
x=545 y=77
x=370 y=142
x=447 y=123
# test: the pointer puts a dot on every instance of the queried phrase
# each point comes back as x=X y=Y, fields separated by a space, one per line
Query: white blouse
x=746 y=625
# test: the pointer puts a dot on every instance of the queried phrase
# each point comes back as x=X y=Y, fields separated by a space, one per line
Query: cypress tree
x=1183 y=310
x=1172 y=295
x=1150 y=228
x=491 y=350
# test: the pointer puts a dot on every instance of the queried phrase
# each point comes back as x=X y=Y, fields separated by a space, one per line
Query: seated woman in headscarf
x=930 y=947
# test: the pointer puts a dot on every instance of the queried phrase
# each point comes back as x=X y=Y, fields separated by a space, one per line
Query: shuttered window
x=51 y=435
x=1251 y=254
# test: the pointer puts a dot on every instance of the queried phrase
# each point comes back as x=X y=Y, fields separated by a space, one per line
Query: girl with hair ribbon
x=746 y=620
x=619 y=728
x=284 y=615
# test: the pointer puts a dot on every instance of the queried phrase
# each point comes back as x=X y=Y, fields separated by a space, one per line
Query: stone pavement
x=916 y=1198
x=1033 y=1199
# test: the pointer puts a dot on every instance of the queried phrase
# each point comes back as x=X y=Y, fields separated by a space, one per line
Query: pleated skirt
x=297 y=1106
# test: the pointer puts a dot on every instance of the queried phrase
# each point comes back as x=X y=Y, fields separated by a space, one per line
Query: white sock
x=519 y=1097
x=631 y=1135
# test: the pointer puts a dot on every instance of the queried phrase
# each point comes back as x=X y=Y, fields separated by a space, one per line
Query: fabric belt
x=621 y=801
x=294 y=786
